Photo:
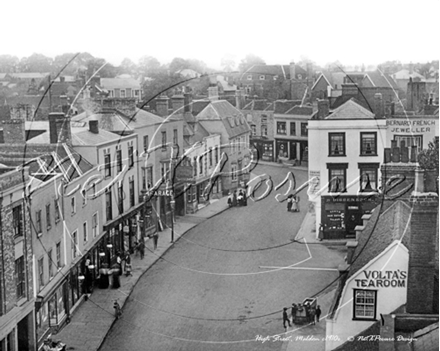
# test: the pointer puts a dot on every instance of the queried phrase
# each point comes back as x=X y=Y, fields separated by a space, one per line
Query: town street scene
x=173 y=184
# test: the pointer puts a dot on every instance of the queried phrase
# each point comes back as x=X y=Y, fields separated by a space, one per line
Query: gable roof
x=334 y=79
x=231 y=118
x=256 y=105
x=351 y=109
x=281 y=106
x=379 y=79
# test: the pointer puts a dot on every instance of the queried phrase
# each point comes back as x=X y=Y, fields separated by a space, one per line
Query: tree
x=178 y=64
x=36 y=63
x=249 y=61
x=108 y=71
x=148 y=65
x=8 y=63
x=128 y=66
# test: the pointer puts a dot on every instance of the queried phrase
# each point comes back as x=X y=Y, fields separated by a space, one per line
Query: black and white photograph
x=217 y=176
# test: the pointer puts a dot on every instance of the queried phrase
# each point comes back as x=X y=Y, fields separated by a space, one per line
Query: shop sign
x=164 y=192
x=407 y=126
x=382 y=279
x=329 y=199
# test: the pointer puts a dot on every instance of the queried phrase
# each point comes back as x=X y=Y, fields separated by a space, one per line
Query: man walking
x=142 y=248
x=155 y=239
x=286 y=318
x=318 y=313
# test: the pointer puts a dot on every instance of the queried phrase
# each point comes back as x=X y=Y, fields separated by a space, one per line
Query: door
x=353 y=218
x=293 y=150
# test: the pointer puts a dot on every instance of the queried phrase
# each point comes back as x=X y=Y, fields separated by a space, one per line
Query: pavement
x=93 y=319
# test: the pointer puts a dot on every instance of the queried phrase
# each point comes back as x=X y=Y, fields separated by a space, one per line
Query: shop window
x=336 y=143
x=337 y=174
x=17 y=219
x=281 y=128
x=48 y=220
x=368 y=177
x=20 y=281
x=118 y=160
x=364 y=304
x=107 y=166
x=38 y=226
x=41 y=272
x=368 y=144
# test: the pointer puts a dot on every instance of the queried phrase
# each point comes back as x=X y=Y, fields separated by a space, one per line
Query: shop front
x=341 y=214
x=263 y=149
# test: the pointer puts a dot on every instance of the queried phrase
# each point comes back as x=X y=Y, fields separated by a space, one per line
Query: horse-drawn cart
x=303 y=313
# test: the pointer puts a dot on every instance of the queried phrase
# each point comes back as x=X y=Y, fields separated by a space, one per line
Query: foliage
x=249 y=61
x=428 y=158
x=8 y=63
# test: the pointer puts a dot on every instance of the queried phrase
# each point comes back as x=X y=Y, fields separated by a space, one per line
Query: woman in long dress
x=295 y=204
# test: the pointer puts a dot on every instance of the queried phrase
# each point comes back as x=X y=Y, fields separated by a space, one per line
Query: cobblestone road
x=210 y=292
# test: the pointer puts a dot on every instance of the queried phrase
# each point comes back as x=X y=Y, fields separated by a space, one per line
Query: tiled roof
x=392 y=224
x=256 y=105
x=380 y=79
x=29 y=75
x=281 y=106
x=119 y=83
x=86 y=137
x=300 y=111
x=352 y=109
x=198 y=106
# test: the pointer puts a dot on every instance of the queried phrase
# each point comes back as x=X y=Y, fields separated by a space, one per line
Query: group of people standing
x=312 y=314
x=293 y=203
x=237 y=200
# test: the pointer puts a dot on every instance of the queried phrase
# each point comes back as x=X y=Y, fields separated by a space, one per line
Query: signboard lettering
x=382 y=279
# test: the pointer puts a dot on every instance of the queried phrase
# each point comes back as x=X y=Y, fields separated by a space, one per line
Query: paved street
x=219 y=286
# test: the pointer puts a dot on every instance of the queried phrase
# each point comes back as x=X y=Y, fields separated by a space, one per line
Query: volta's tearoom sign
x=382 y=279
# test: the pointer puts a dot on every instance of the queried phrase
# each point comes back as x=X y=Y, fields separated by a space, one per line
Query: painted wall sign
x=382 y=279
x=410 y=126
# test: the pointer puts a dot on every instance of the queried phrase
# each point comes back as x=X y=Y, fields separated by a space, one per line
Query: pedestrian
x=240 y=198
x=119 y=262
x=142 y=248
x=116 y=272
x=155 y=239
x=286 y=318
x=234 y=199
x=127 y=265
x=230 y=199
x=244 y=198
x=289 y=203
x=294 y=204
x=136 y=248
x=318 y=313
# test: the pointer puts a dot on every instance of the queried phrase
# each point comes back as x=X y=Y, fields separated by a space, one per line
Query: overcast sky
x=279 y=31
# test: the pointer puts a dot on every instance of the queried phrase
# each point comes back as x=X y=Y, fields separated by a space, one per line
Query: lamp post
x=173 y=206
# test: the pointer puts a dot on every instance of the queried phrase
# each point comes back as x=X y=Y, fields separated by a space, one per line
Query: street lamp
x=173 y=206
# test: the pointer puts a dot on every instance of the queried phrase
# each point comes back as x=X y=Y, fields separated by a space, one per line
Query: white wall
x=394 y=258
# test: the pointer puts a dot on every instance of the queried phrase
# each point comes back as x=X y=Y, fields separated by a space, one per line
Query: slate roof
x=282 y=106
x=231 y=118
x=380 y=79
x=198 y=106
x=46 y=160
x=404 y=74
x=300 y=111
x=282 y=71
x=351 y=109
x=119 y=83
x=29 y=75
x=332 y=78
x=256 y=105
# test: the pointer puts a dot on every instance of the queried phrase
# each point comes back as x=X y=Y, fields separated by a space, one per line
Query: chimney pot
x=59 y=128
x=162 y=105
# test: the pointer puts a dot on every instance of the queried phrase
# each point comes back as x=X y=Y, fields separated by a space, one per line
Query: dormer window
x=249 y=77
x=262 y=77
x=275 y=77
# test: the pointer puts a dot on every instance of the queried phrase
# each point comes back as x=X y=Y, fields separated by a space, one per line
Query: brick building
x=17 y=323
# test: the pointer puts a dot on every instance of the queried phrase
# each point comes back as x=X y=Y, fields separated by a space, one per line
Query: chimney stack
x=14 y=131
x=422 y=290
x=187 y=102
x=178 y=102
x=239 y=99
x=292 y=70
x=93 y=126
x=59 y=128
x=213 y=92
x=350 y=89
x=323 y=108
x=162 y=105
x=378 y=105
